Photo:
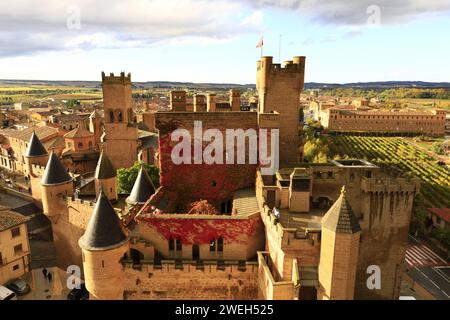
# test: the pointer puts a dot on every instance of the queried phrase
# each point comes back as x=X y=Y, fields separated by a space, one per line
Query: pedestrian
x=44 y=272
x=49 y=277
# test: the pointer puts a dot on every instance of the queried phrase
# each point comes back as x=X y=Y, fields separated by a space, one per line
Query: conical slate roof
x=103 y=229
x=340 y=217
x=35 y=147
x=104 y=169
x=54 y=172
x=143 y=188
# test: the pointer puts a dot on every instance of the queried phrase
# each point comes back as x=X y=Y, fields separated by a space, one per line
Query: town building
x=14 y=245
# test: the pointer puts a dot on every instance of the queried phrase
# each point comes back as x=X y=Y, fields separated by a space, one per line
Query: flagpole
x=279 y=49
x=262 y=45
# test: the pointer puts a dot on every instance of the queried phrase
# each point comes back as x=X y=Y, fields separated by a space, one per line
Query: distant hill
x=378 y=85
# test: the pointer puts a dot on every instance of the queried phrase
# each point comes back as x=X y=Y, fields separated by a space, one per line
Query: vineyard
x=396 y=154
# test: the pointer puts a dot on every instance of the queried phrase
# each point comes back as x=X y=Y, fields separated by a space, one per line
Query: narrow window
x=220 y=244
x=111 y=116
x=178 y=244
x=15 y=232
x=212 y=245
x=103 y=263
x=171 y=244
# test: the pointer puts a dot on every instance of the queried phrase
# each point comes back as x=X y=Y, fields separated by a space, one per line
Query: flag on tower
x=260 y=43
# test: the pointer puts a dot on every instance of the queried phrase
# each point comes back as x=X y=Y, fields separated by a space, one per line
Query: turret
x=235 y=100
x=56 y=183
x=103 y=245
x=35 y=154
x=143 y=188
x=339 y=251
x=105 y=177
x=199 y=103
x=178 y=100
x=211 y=102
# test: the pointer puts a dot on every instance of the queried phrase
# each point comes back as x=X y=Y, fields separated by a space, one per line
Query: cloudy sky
x=214 y=41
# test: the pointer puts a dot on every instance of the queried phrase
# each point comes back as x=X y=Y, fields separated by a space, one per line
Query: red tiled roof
x=444 y=213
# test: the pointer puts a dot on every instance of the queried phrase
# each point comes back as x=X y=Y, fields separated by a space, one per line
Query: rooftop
x=10 y=219
x=55 y=172
x=103 y=230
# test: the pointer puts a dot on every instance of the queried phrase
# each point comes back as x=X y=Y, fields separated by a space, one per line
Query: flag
x=260 y=43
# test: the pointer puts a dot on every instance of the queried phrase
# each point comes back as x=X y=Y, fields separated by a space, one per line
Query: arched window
x=212 y=245
x=111 y=116
x=119 y=116
x=80 y=144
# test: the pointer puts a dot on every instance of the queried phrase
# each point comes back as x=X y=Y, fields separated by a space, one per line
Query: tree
x=127 y=176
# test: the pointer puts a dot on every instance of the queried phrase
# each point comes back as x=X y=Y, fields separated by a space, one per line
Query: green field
x=398 y=155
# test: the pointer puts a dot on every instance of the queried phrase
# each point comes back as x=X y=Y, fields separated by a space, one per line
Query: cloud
x=32 y=26
x=345 y=12
x=255 y=19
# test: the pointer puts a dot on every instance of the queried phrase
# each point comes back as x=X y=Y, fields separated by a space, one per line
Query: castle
x=226 y=231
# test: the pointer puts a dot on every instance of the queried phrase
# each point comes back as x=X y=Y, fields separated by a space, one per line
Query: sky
x=215 y=40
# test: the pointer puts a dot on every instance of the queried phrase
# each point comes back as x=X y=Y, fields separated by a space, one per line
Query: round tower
x=105 y=177
x=103 y=245
x=35 y=154
x=56 y=183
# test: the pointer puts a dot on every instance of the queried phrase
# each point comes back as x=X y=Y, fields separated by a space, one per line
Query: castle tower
x=95 y=126
x=143 y=188
x=279 y=91
x=338 y=251
x=211 y=102
x=105 y=178
x=178 y=100
x=55 y=184
x=121 y=132
x=235 y=100
x=38 y=156
x=103 y=244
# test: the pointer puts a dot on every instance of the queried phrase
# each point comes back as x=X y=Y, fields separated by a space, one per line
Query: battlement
x=297 y=65
x=387 y=185
x=71 y=201
x=112 y=79
x=210 y=266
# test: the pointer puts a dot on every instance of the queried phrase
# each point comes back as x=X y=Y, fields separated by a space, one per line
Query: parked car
x=19 y=286
x=79 y=294
x=6 y=294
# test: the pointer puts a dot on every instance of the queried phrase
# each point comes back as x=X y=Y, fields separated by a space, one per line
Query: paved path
x=42 y=289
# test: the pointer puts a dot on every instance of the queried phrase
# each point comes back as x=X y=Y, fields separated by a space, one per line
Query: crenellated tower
x=121 y=133
x=279 y=91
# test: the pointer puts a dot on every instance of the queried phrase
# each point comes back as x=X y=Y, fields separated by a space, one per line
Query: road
x=428 y=269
